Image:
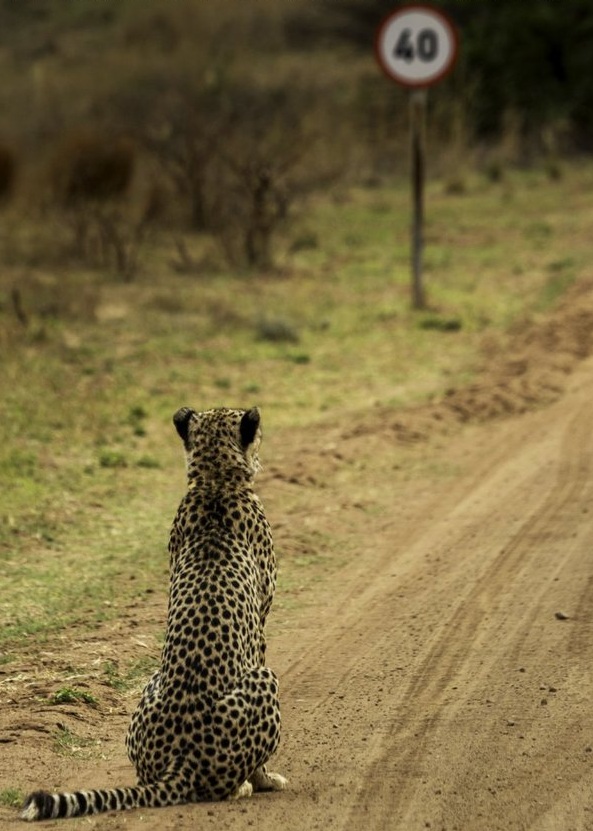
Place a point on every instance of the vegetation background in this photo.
(119, 119)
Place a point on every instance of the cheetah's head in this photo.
(220, 445)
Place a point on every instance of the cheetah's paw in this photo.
(264, 781)
(244, 790)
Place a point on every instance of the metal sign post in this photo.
(416, 46)
(417, 122)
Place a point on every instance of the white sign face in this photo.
(416, 45)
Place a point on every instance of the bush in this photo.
(91, 177)
(266, 165)
(91, 167)
(7, 171)
(238, 153)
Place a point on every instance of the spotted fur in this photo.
(208, 720)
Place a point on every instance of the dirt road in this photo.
(449, 686)
(442, 676)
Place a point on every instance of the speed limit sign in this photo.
(416, 45)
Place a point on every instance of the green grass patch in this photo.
(68, 695)
(561, 276)
(133, 676)
(112, 458)
(69, 743)
(11, 798)
(440, 324)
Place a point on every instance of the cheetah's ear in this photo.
(249, 426)
(181, 421)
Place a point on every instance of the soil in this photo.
(436, 664)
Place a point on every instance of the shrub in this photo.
(7, 171)
(266, 166)
(91, 167)
(92, 177)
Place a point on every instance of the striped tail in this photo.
(43, 805)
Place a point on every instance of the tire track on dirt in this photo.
(459, 639)
(362, 593)
(365, 649)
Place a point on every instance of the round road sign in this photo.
(416, 45)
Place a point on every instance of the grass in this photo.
(136, 674)
(90, 468)
(68, 743)
(67, 695)
(11, 797)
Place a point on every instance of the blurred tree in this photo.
(533, 58)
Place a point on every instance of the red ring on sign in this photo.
(447, 23)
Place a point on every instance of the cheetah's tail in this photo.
(43, 805)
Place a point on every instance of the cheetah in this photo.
(209, 719)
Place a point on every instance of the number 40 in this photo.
(426, 47)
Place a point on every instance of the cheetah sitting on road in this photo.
(209, 719)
